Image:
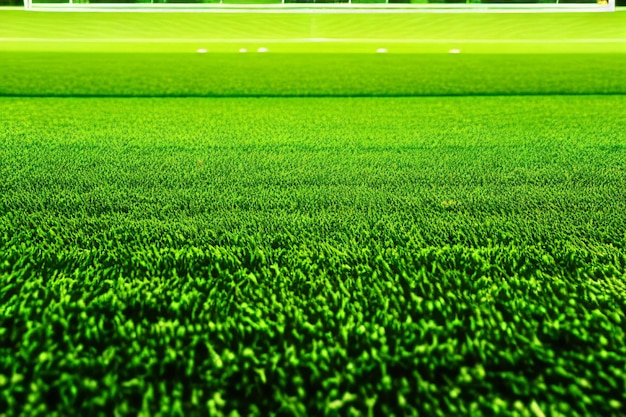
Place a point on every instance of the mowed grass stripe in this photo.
(276, 26)
(293, 75)
(316, 46)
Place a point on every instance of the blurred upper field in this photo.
(314, 32)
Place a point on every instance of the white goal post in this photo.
(344, 6)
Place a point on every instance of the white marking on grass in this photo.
(381, 51)
(202, 51)
(243, 50)
(262, 49)
(455, 51)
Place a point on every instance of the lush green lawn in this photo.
(356, 256)
(496, 33)
(154, 54)
(237, 75)
(434, 233)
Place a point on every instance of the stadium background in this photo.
(21, 2)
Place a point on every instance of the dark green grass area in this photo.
(311, 256)
(101, 74)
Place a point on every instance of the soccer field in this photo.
(317, 230)
(493, 33)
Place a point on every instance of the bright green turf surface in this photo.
(71, 74)
(154, 54)
(327, 256)
(496, 33)
(332, 256)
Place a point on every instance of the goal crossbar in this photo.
(348, 6)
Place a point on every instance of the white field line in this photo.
(316, 40)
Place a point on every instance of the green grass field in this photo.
(308, 232)
(476, 33)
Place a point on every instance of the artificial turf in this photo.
(335, 256)
(484, 33)
(358, 256)
(301, 75)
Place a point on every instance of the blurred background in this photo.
(21, 2)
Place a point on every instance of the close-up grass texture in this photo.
(312, 232)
